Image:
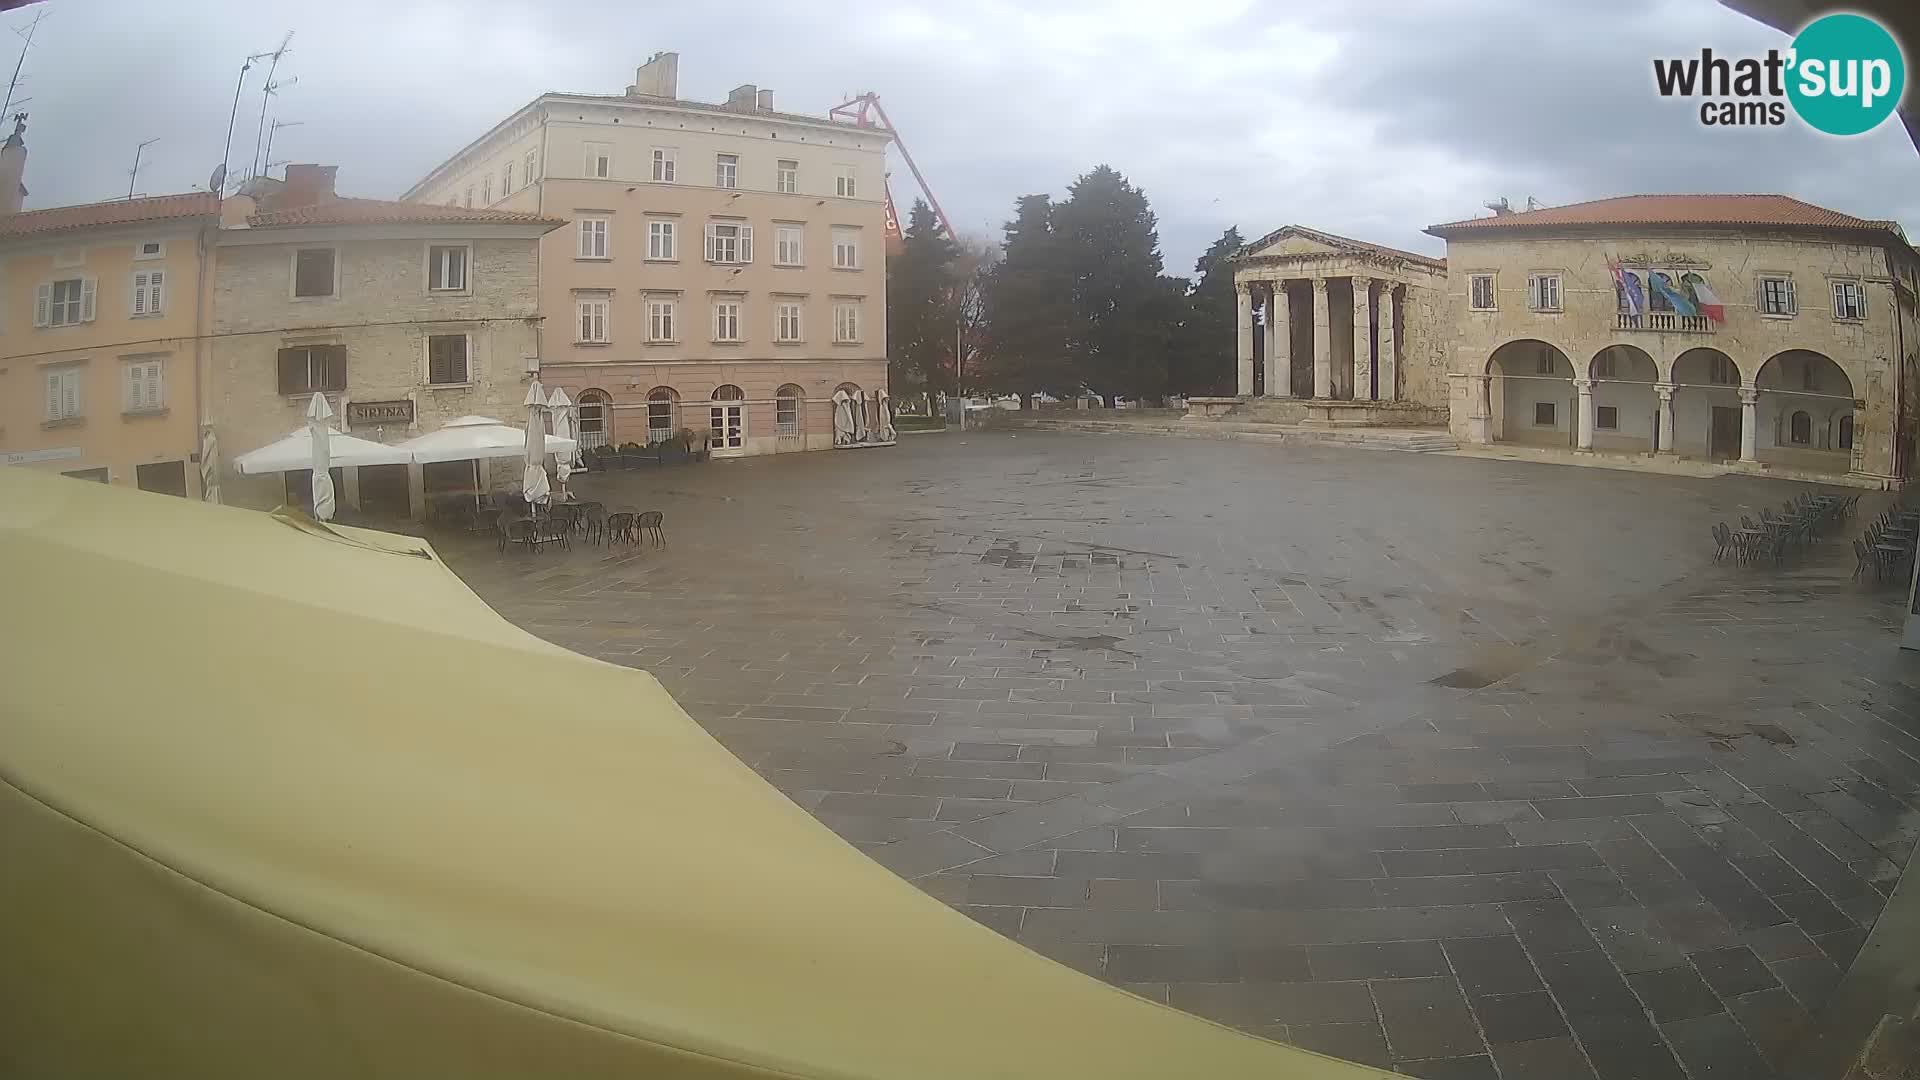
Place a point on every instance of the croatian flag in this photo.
(1704, 296)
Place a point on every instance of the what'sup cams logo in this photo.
(1843, 75)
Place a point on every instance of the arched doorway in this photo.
(1626, 411)
(727, 421)
(662, 405)
(596, 419)
(1804, 412)
(1530, 397)
(789, 417)
(1707, 413)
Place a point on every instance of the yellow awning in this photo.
(284, 801)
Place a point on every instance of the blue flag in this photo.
(1664, 286)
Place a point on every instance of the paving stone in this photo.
(1377, 960)
(1171, 964)
(1426, 1018)
(1625, 1046)
(1547, 927)
(1252, 1004)
(1474, 1067)
(1609, 806)
(1674, 993)
(1733, 970)
(1492, 966)
(1772, 1019)
(1590, 887)
(1811, 979)
(1513, 1018)
(1550, 1059)
(1715, 1048)
(1364, 1042)
(1782, 942)
(1586, 983)
(1842, 946)
(1633, 939)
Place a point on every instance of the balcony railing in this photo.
(1665, 322)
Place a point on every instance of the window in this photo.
(786, 321)
(446, 268)
(486, 192)
(310, 369)
(726, 320)
(531, 167)
(846, 323)
(1776, 296)
(1809, 378)
(786, 177)
(149, 292)
(660, 315)
(1543, 414)
(151, 249)
(63, 393)
(313, 272)
(660, 239)
(1800, 428)
(729, 243)
(1849, 300)
(506, 179)
(469, 196)
(1480, 292)
(1606, 417)
(447, 360)
(67, 302)
(846, 249)
(591, 318)
(729, 419)
(660, 402)
(593, 238)
(1845, 438)
(1543, 292)
(1543, 362)
(664, 165)
(593, 418)
(787, 245)
(1603, 366)
(843, 184)
(726, 170)
(1721, 372)
(142, 386)
(786, 411)
(599, 161)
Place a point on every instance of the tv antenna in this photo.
(133, 174)
(219, 185)
(267, 90)
(271, 130)
(26, 38)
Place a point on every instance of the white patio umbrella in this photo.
(472, 438)
(842, 418)
(565, 462)
(859, 404)
(295, 451)
(318, 413)
(885, 409)
(534, 487)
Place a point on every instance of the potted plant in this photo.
(696, 444)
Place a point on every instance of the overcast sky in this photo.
(1370, 118)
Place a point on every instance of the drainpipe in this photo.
(201, 291)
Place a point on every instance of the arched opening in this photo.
(1626, 411)
(1707, 418)
(1804, 413)
(727, 421)
(789, 404)
(596, 419)
(662, 405)
(1530, 397)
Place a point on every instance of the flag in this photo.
(1704, 297)
(1663, 285)
(1629, 287)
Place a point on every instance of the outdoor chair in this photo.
(593, 519)
(648, 524)
(1723, 541)
(554, 529)
(1864, 558)
(619, 527)
(516, 531)
(564, 516)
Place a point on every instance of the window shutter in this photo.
(746, 243)
(711, 244)
(155, 284)
(70, 393)
(42, 305)
(54, 379)
(336, 367)
(139, 296)
(133, 397)
(292, 362)
(86, 300)
(1792, 305)
(153, 385)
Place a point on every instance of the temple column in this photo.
(1243, 294)
(1583, 432)
(1363, 339)
(1664, 391)
(1389, 364)
(1322, 331)
(1749, 421)
(1279, 342)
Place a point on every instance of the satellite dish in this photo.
(218, 180)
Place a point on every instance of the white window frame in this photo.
(293, 274)
(846, 322)
(788, 428)
(506, 178)
(789, 245)
(146, 293)
(598, 161)
(846, 248)
(142, 384)
(1473, 290)
(663, 320)
(1786, 288)
(788, 322)
(591, 314)
(426, 360)
(486, 190)
(726, 321)
(846, 182)
(670, 407)
(469, 196)
(82, 304)
(726, 171)
(435, 266)
(786, 176)
(530, 168)
(593, 228)
(63, 393)
(666, 165)
(663, 240)
(1543, 293)
(1849, 290)
(736, 248)
(159, 249)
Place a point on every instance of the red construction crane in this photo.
(861, 111)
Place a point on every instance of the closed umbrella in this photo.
(535, 486)
(566, 461)
(318, 413)
(209, 465)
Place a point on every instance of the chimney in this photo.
(13, 166)
(659, 77)
(308, 185)
(743, 98)
(765, 101)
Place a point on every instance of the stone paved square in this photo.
(1463, 767)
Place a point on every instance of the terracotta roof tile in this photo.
(118, 212)
(1737, 210)
(384, 212)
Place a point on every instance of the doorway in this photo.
(165, 477)
(1723, 438)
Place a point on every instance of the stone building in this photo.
(723, 269)
(1757, 330)
(1345, 331)
(404, 315)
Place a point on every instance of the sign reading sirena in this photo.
(380, 412)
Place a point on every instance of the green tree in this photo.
(1028, 309)
(920, 309)
(1203, 357)
(1124, 321)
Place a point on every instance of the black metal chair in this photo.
(593, 519)
(516, 531)
(620, 527)
(648, 524)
